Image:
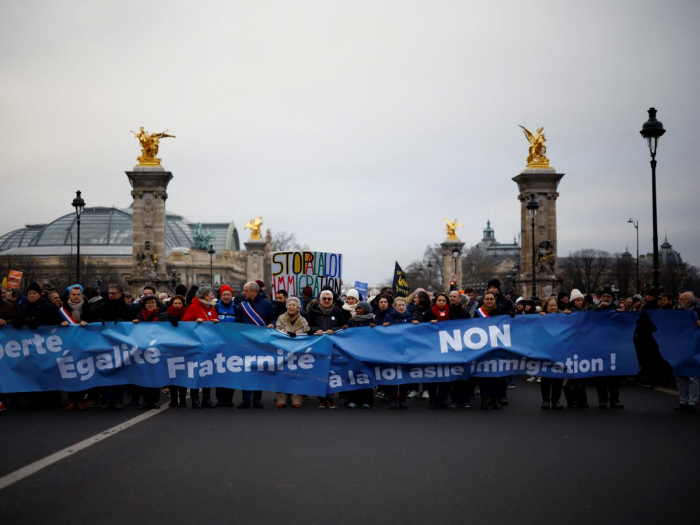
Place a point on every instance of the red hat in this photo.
(225, 288)
(260, 284)
(307, 291)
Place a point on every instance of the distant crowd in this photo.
(326, 314)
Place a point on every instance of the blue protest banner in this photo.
(194, 355)
(247, 357)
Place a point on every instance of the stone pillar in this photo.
(449, 262)
(543, 183)
(256, 260)
(149, 185)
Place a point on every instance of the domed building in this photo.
(47, 252)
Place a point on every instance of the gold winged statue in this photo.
(451, 227)
(537, 157)
(149, 146)
(254, 226)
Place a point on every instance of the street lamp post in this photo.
(70, 232)
(78, 204)
(211, 252)
(652, 131)
(455, 256)
(430, 276)
(636, 227)
(532, 206)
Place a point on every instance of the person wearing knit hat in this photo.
(261, 284)
(226, 309)
(362, 316)
(353, 297)
(34, 287)
(606, 386)
(502, 302)
(576, 302)
(651, 301)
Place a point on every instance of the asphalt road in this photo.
(520, 465)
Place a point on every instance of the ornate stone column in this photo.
(149, 185)
(256, 260)
(543, 182)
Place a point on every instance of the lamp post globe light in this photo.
(211, 251)
(636, 227)
(652, 130)
(78, 203)
(532, 207)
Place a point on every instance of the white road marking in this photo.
(35, 467)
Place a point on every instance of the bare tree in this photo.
(477, 267)
(586, 269)
(285, 242)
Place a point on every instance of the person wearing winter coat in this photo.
(201, 310)
(75, 312)
(325, 317)
(398, 394)
(491, 387)
(575, 389)
(382, 311)
(176, 310)
(255, 310)
(362, 317)
(227, 311)
(606, 386)
(551, 388)
(352, 298)
(439, 312)
(150, 313)
(688, 387)
(291, 323)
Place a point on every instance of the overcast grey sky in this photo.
(358, 125)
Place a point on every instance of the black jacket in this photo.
(39, 313)
(321, 321)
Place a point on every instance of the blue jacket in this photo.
(395, 317)
(227, 314)
(263, 308)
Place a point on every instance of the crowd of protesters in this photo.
(327, 314)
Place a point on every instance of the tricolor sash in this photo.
(482, 312)
(66, 316)
(248, 309)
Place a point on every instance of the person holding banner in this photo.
(176, 310)
(255, 310)
(490, 386)
(74, 313)
(291, 323)
(150, 313)
(202, 310)
(8, 315)
(226, 310)
(440, 311)
(607, 386)
(324, 318)
(551, 388)
(361, 318)
(38, 311)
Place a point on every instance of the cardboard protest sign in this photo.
(14, 279)
(293, 271)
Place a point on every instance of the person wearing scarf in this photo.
(150, 313)
(324, 318)
(550, 387)
(438, 312)
(174, 314)
(201, 309)
(291, 323)
(490, 386)
(75, 309)
(361, 317)
(353, 297)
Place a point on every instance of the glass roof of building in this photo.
(101, 226)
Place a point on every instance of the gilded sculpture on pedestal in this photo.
(537, 157)
(149, 146)
(451, 227)
(254, 225)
